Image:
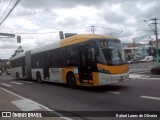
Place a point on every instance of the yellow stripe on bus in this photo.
(114, 69)
(95, 78)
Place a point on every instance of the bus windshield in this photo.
(112, 51)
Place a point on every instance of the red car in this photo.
(155, 70)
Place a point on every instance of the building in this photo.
(130, 49)
(153, 43)
(138, 50)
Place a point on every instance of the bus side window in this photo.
(63, 56)
(91, 55)
(70, 56)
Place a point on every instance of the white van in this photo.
(147, 59)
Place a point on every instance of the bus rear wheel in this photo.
(39, 78)
(71, 80)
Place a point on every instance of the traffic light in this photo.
(18, 39)
(61, 35)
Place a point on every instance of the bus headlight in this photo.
(103, 71)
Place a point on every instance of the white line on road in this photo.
(144, 71)
(150, 66)
(135, 76)
(66, 118)
(6, 85)
(149, 78)
(27, 82)
(17, 83)
(113, 92)
(26, 104)
(150, 97)
(32, 103)
(143, 77)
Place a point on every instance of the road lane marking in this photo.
(40, 105)
(12, 93)
(139, 72)
(149, 78)
(27, 82)
(6, 85)
(135, 76)
(150, 66)
(26, 104)
(66, 118)
(17, 83)
(113, 92)
(150, 97)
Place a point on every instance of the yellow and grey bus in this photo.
(84, 60)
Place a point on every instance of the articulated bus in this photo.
(83, 60)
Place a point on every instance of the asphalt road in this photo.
(139, 93)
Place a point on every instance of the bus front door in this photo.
(84, 66)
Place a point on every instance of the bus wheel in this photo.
(39, 78)
(17, 75)
(71, 80)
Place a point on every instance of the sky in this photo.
(38, 22)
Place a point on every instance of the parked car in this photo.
(147, 59)
(136, 60)
(155, 70)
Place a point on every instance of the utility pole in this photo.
(156, 34)
(93, 28)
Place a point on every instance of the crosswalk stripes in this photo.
(17, 83)
(6, 85)
(26, 82)
(139, 76)
(9, 84)
(132, 76)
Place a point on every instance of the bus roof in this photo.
(69, 41)
(66, 42)
(81, 38)
(18, 56)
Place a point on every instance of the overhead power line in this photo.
(149, 25)
(6, 9)
(10, 11)
(108, 28)
(65, 30)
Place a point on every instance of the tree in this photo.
(18, 51)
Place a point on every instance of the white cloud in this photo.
(24, 23)
(39, 16)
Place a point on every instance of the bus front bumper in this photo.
(105, 79)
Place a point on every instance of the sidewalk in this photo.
(10, 101)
